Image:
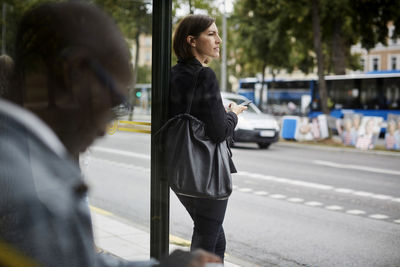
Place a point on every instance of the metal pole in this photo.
(3, 30)
(223, 65)
(161, 64)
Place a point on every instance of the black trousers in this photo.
(208, 216)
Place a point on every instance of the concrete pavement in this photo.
(120, 238)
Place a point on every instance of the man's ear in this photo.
(191, 40)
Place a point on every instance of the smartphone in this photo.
(245, 103)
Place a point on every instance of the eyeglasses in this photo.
(117, 98)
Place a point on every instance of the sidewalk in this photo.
(124, 240)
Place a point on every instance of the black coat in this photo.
(207, 103)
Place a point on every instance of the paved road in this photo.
(292, 205)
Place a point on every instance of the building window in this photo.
(394, 63)
(148, 56)
(362, 63)
(375, 64)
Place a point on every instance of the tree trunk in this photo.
(320, 57)
(338, 53)
(132, 95)
(190, 7)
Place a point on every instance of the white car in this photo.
(253, 125)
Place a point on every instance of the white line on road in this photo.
(344, 190)
(355, 167)
(363, 194)
(333, 207)
(378, 216)
(355, 212)
(124, 165)
(277, 196)
(245, 190)
(261, 193)
(313, 203)
(383, 197)
(317, 186)
(120, 152)
(285, 180)
(295, 200)
(397, 221)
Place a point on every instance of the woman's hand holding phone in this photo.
(237, 109)
(245, 103)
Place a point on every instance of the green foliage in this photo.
(14, 11)
(133, 17)
(279, 32)
(370, 18)
(144, 74)
(263, 35)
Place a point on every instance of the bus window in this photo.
(392, 93)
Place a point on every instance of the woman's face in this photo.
(207, 44)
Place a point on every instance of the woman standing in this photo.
(196, 40)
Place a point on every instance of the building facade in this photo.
(381, 57)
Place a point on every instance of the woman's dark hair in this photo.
(192, 25)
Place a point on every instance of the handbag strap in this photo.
(196, 76)
(158, 134)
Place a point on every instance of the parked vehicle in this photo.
(253, 125)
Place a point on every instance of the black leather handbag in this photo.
(195, 165)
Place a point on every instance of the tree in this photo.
(370, 20)
(261, 39)
(14, 9)
(320, 57)
(134, 19)
(319, 31)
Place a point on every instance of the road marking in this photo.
(124, 165)
(344, 190)
(261, 193)
(378, 216)
(317, 186)
(179, 241)
(234, 187)
(285, 180)
(363, 194)
(311, 185)
(355, 167)
(277, 196)
(100, 211)
(355, 212)
(313, 203)
(396, 199)
(245, 190)
(120, 152)
(396, 221)
(333, 207)
(382, 197)
(295, 200)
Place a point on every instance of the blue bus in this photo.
(280, 96)
(370, 94)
